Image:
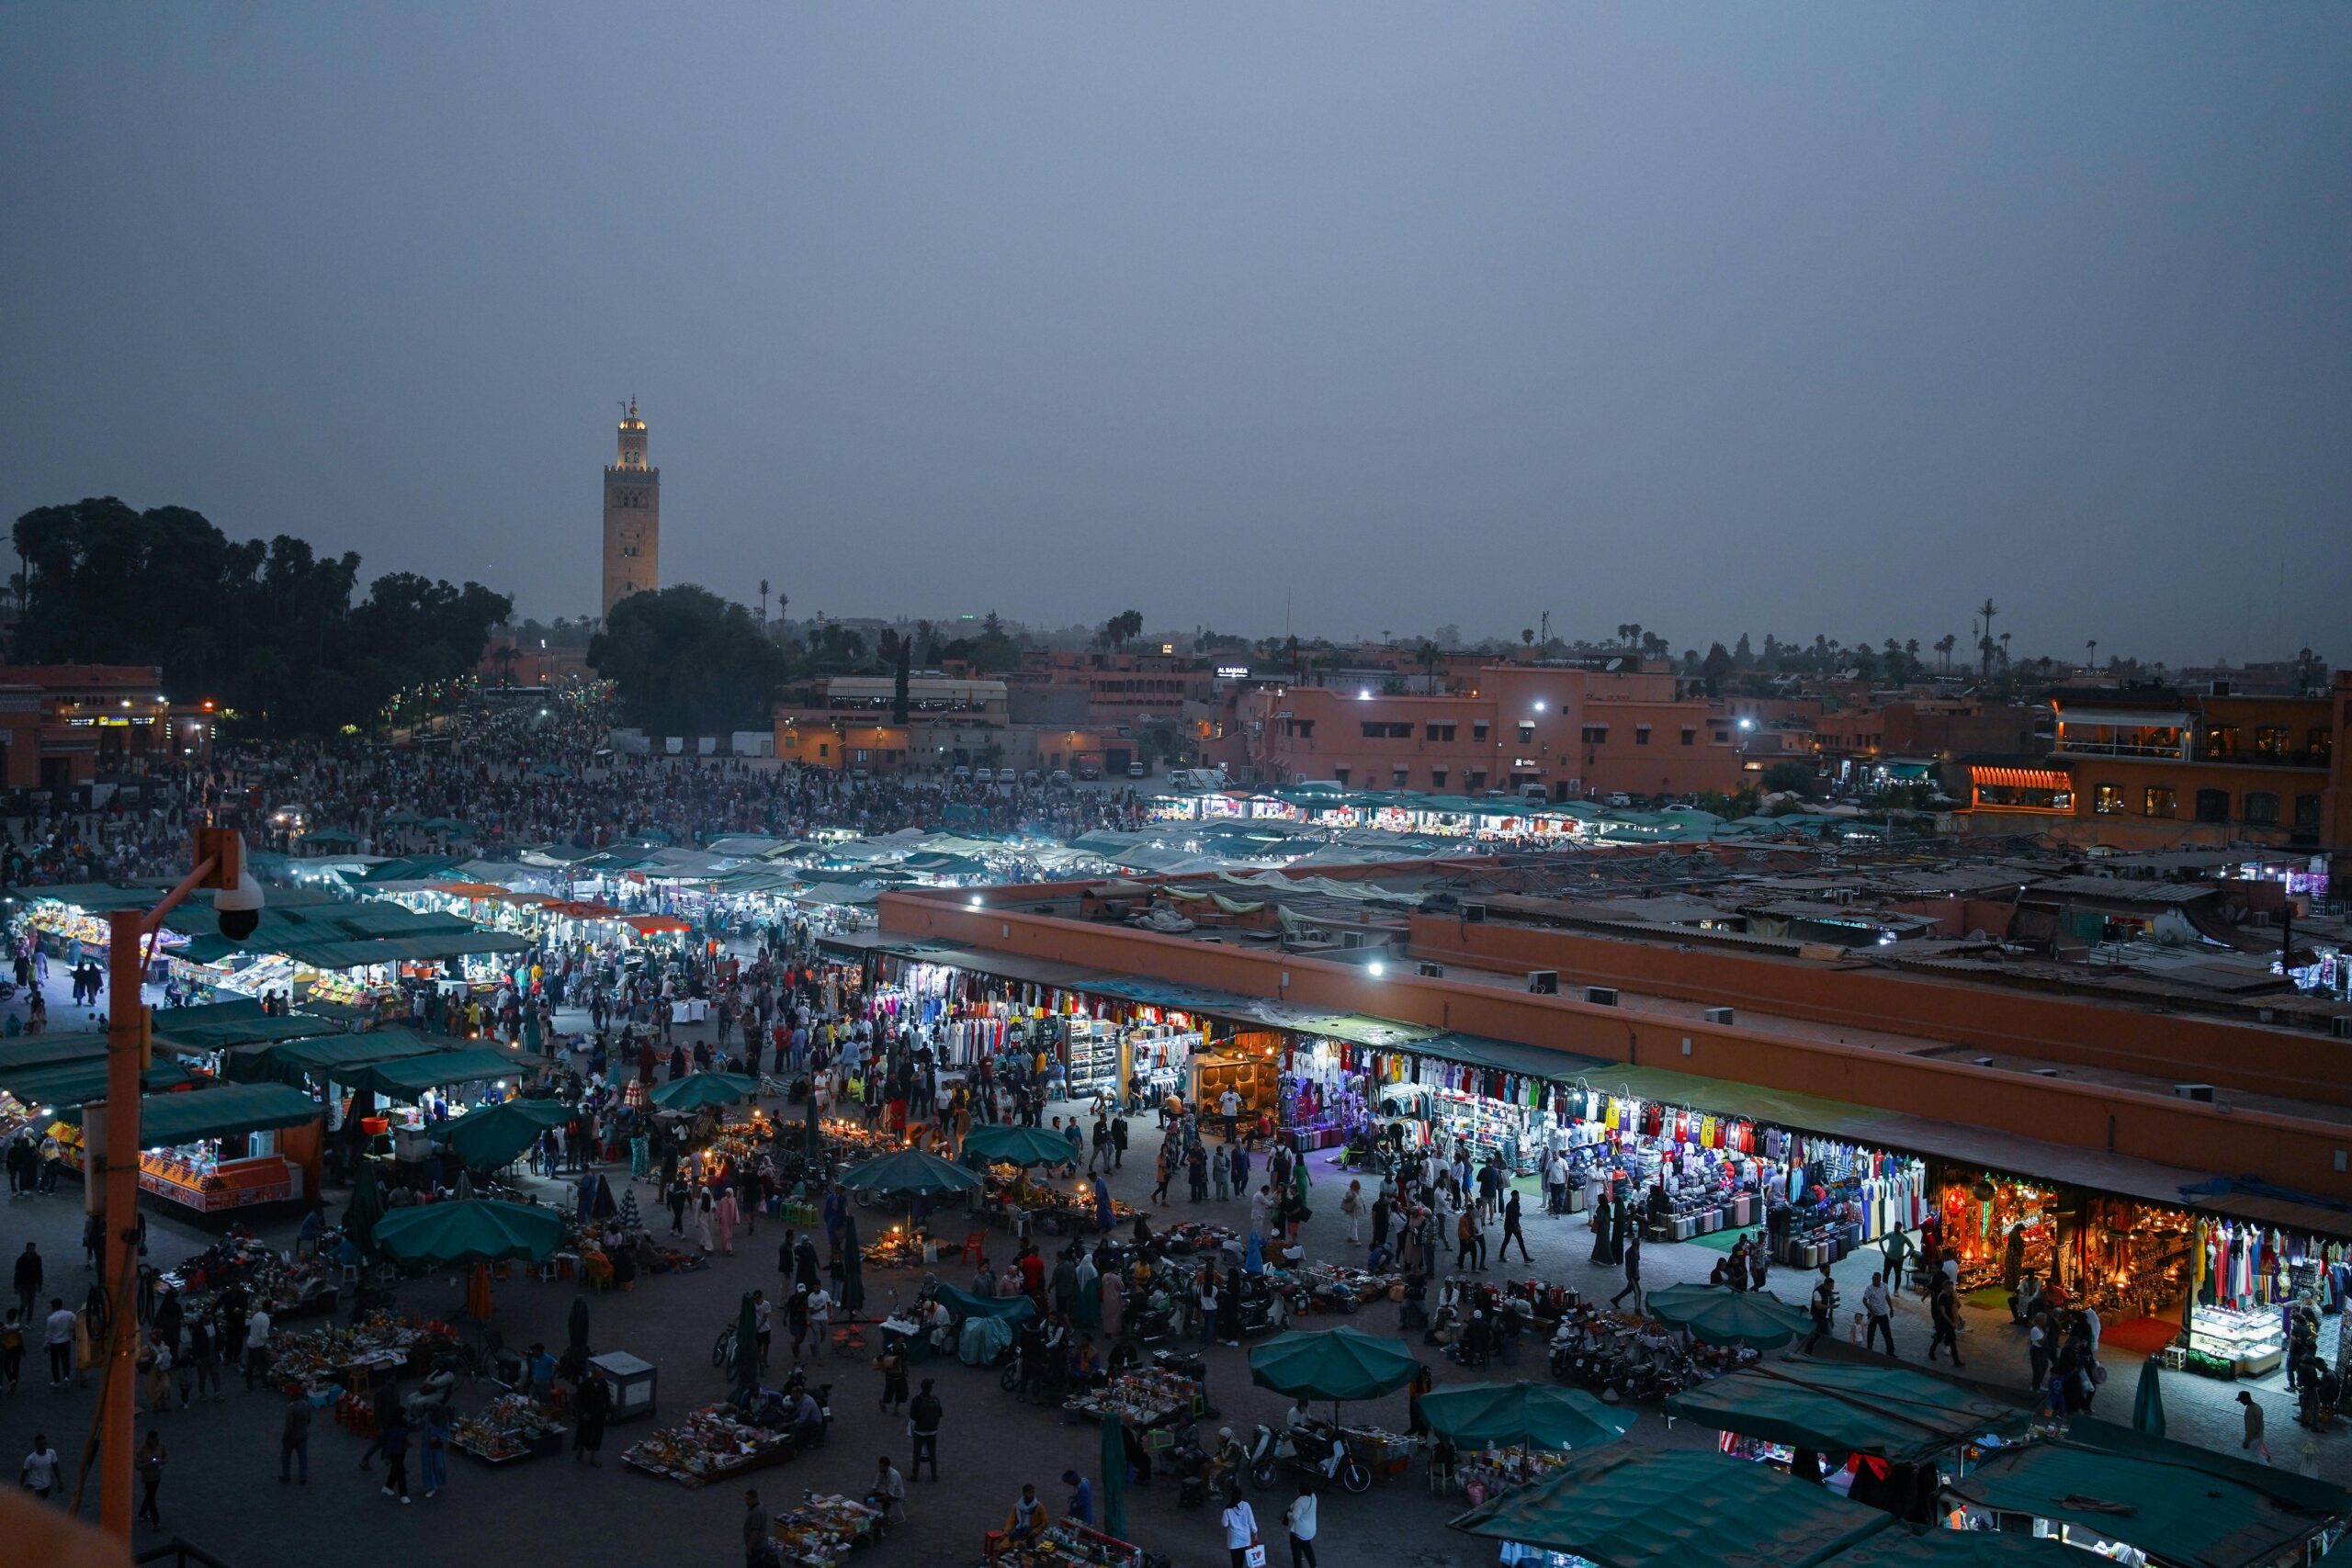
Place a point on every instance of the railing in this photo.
(2069, 745)
(179, 1554)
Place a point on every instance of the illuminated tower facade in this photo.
(632, 517)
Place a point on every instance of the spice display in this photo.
(824, 1529)
(1140, 1399)
(512, 1426)
(711, 1444)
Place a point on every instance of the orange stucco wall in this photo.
(2293, 1152)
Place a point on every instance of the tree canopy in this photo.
(267, 631)
(686, 661)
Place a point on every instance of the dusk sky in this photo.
(1779, 319)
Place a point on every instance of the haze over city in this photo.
(1819, 318)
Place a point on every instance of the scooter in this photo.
(1273, 1451)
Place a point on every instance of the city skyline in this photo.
(1810, 323)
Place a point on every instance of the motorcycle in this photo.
(1272, 1451)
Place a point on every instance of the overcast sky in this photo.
(1717, 318)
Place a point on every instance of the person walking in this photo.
(57, 1337)
(1299, 1520)
(1633, 1273)
(1511, 1232)
(256, 1347)
(40, 1472)
(396, 1441)
(151, 1460)
(1118, 1141)
(1352, 1209)
(1824, 1306)
(1943, 1312)
(923, 1425)
(1240, 1523)
(1878, 1307)
(29, 1270)
(294, 1436)
(591, 1407)
(759, 1545)
(435, 1449)
(1163, 1168)
(2254, 1443)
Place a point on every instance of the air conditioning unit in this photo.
(1544, 982)
(2199, 1091)
(1351, 940)
(1473, 913)
(1602, 996)
(1719, 1015)
(1428, 971)
(2340, 1026)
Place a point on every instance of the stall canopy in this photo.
(407, 1077)
(225, 1024)
(1000, 1141)
(1957, 1549)
(1633, 1507)
(71, 1083)
(963, 1304)
(910, 1170)
(1543, 1416)
(1890, 1413)
(1332, 1363)
(51, 1050)
(493, 1136)
(2174, 1502)
(1716, 1315)
(222, 1113)
(333, 1056)
(480, 1230)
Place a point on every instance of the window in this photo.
(2106, 799)
(2159, 801)
(2220, 741)
(1526, 732)
(2322, 744)
(2306, 811)
(1439, 732)
(1303, 728)
(1472, 780)
(1477, 730)
(1396, 778)
(2212, 805)
(1690, 736)
(2261, 808)
(2274, 742)
(1722, 736)
(1596, 735)
(1437, 781)
(824, 749)
(1641, 735)
(1382, 729)
(1341, 775)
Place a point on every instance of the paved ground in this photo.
(222, 1491)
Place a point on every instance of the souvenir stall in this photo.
(824, 1529)
(1249, 1062)
(2243, 1278)
(715, 1443)
(510, 1427)
(287, 1288)
(1143, 1399)
(377, 1346)
(1841, 1195)
(2128, 1260)
(1063, 1543)
(1448, 1104)
(1094, 1058)
(1160, 1044)
(215, 1151)
(1323, 1103)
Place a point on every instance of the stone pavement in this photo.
(221, 1492)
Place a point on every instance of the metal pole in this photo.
(118, 1383)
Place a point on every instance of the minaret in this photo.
(632, 517)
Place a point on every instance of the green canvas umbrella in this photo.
(1717, 1315)
(367, 1207)
(910, 1171)
(2148, 1403)
(481, 1231)
(1515, 1415)
(495, 1135)
(1115, 1478)
(812, 1142)
(853, 1277)
(997, 1141)
(576, 1328)
(1332, 1363)
(704, 1089)
(747, 1345)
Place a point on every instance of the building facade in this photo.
(632, 517)
(1574, 733)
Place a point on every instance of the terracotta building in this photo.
(61, 724)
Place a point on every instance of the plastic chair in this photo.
(975, 1248)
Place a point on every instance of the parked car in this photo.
(962, 775)
(1061, 775)
(1137, 771)
(1089, 770)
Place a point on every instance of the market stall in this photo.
(716, 1442)
(379, 1346)
(510, 1427)
(824, 1529)
(1062, 1544)
(214, 1150)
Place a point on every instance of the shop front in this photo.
(214, 1151)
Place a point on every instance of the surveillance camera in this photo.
(238, 909)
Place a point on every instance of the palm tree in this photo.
(1944, 646)
(1985, 638)
(2090, 655)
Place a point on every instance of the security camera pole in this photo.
(220, 859)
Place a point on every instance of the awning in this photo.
(337, 1056)
(409, 1077)
(175, 1029)
(2186, 1507)
(45, 1050)
(1957, 1549)
(1634, 1508)
(73, 1083)
(1890, 1413)
(220, 1112)
(2019, 778)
